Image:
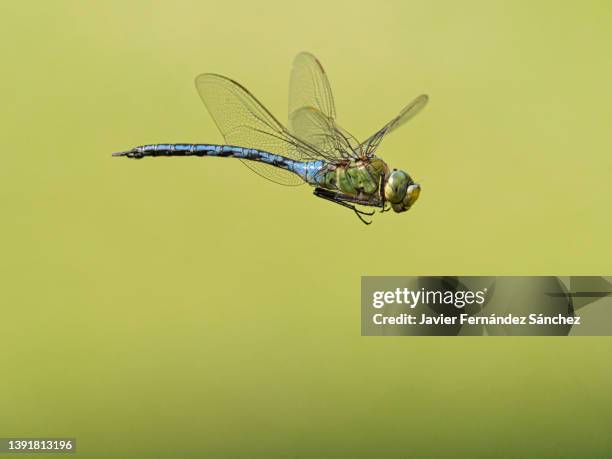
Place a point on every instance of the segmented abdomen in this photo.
(307, 170)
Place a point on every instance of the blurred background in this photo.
(186, 307)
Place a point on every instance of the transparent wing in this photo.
(414, 107)
(244, 121)
(309, 86)
(321, 131)
(312, 111)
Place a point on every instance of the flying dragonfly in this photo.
(312, 149)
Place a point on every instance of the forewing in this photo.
(309, 86)
(244, 121)
(414, 107)
(312, 111)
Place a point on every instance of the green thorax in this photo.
(356, 178)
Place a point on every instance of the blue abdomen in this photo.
(309, 171)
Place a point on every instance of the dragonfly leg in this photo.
(381, 187)
(332, 197)
(358, 213)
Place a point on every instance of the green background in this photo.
(188, 308)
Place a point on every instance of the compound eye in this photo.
(395, 188)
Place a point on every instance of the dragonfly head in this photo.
(401, 191)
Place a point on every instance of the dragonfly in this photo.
(312, 149)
